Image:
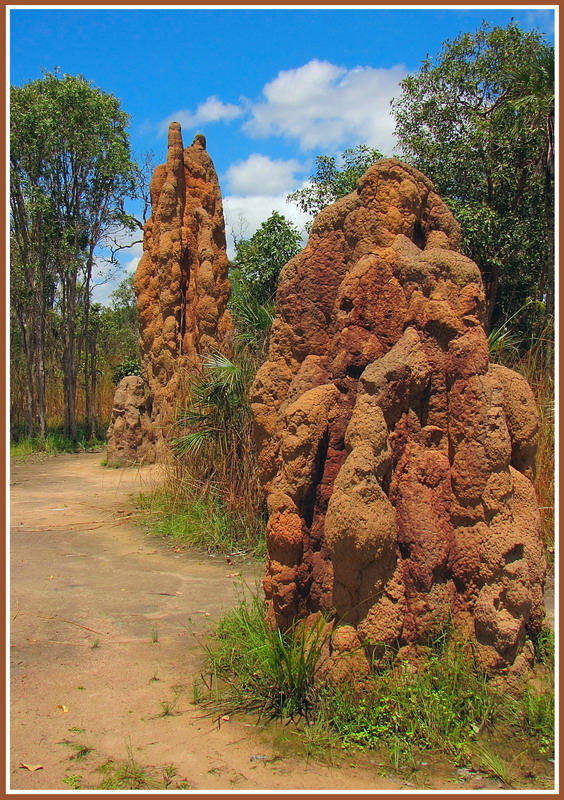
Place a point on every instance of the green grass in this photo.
(202, 522)
(130, 775)
(73, 781)
(440, 706)
(253, 667)
(445, 705)
(55, 442)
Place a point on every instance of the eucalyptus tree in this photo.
(71, 170)
(260, 258)
(334, 177)
(478, 119)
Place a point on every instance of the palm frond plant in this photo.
(213, 442)
(253, 319)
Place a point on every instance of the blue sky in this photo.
(270, 88)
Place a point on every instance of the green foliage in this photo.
(252, 320)
(504, 340)
(70, 170)
(213, 443)
(73, 781)
(203, 521)
(54, 442)
(131, 366)
(439, 706)
(260, 258)
(119, 334)
(264, 669)
(334, 178)
(478, 120)
(545, 647)
(441, 703)
(218, 404)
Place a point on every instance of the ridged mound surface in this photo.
(397, 461)
(181, 284)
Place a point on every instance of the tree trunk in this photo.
(86, 337)
(491, 284)
(68, 341)
(40, 374)
(92, 419)
(69, 391)
(29, 394)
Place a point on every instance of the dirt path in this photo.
(90, 595)
(106, 629)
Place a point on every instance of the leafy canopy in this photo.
(69, 156)
(478, 120)
(334, 178)
(260, 258)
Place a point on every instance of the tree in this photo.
(478, 120)
(330, 181)
(260, 258)
(119, 326)
(70, 172)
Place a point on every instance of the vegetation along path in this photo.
(106, 627)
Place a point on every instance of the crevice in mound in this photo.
(308, 503)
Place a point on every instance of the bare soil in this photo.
(106, 631)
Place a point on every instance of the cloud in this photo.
(107, 278)
(211, 110)
(259, 174)
(135, 251)
(243, 215)
(324, 106)
(541, 18)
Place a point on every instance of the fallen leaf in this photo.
(31, 767)
(233, 574)
(64, 709)
(225, 718)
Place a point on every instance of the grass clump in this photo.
(255, 668)
(202, 521)
(73, 781)
(438, 701)
(129, 774)
(440, 705)
(212, 497)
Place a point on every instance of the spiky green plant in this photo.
(255, 667)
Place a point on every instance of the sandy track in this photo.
(90, 591)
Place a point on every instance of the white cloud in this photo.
(324, 106)
(259, 174)
(243, 215)
(211, 110)
(542, 18)
(106, 278)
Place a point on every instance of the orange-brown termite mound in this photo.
(182, 292)
(396, 459)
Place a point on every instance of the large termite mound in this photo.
(182, 290)
(397, 460)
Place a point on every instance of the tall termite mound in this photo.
(396, 459)
(182, 292)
